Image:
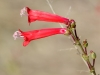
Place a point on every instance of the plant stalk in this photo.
(84, 51)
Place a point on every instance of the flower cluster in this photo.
(36, 15)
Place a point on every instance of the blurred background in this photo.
(51, 55)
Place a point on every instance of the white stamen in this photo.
(23, 11)
(17, 34)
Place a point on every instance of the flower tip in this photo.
(20, 31)
(27, 9)
(25, 43)
(22, 12)
(17, 34)
(91, 51)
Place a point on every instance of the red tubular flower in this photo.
(37, 34)
(34, 15)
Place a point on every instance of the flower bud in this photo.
(73, 23)
(67, 32)
(85, 43)
(93, 54)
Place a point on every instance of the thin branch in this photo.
(51, 6)
(69, 10)
(53, 11)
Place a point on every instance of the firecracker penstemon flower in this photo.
(34, 15)
(37, 34)
(28, 36)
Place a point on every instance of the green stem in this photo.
(85, 49)
(77, 41)
(81, 47)
(86, 58)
